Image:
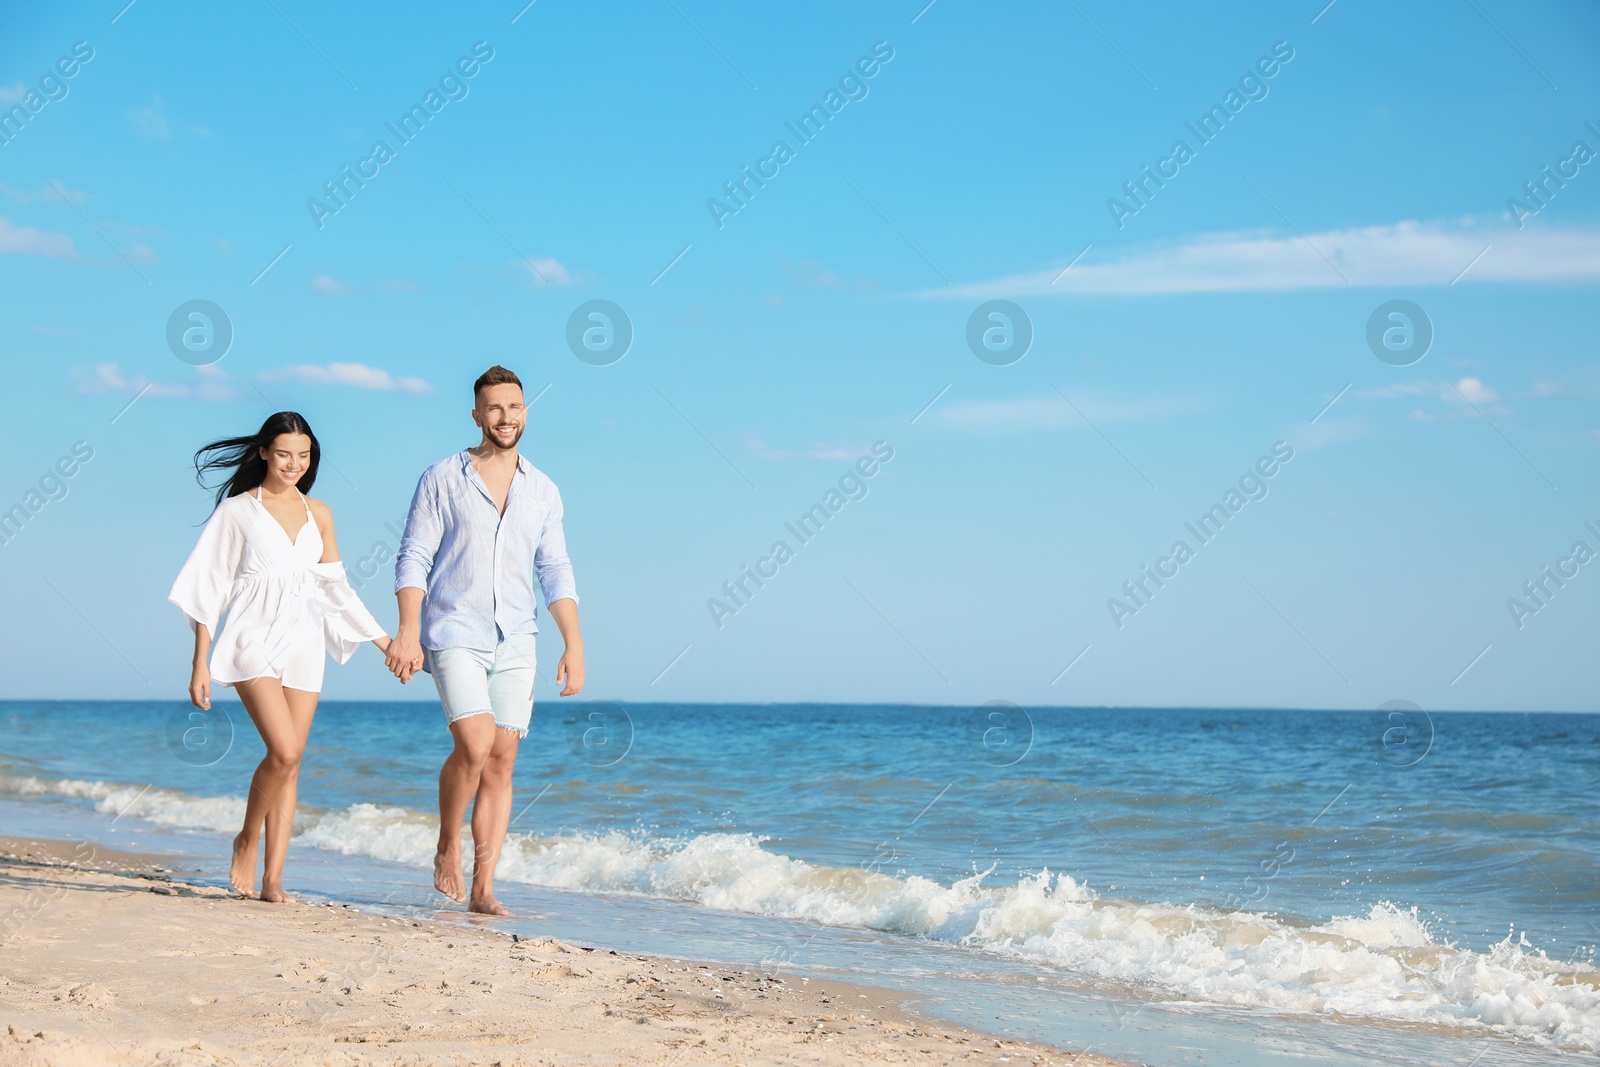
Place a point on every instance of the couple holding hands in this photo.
(483, 525)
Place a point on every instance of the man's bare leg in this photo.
(458, 782)
(490, 815)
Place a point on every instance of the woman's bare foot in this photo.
(274, 894)
(242, 872)
(447, 876)
(488, 906)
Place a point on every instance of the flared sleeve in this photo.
(204, 584)
(346, 622)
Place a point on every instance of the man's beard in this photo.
(494, 441)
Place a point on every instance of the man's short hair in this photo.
(495, 375)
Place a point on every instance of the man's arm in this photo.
(554, 570)
(413, 563)
(404, 655)
(570, 666)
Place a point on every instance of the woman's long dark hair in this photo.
(242, 456)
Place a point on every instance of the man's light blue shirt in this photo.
(477, 566)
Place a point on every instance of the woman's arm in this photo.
(330, 550)
(200, 675)
(324, 516)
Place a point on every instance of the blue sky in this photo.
(1173, 345)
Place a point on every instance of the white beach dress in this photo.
(283, 609)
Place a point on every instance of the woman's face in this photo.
(287, 457)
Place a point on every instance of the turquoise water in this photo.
(1249, 875)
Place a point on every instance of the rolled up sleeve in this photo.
(550, 559)
(423, 533)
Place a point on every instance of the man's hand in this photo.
(570, 669)
(404, 657)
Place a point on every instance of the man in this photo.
(482, 524)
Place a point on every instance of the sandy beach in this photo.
(112, 958)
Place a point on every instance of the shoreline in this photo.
(117, 957)
(1271, 709)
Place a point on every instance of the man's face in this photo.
(501, 415)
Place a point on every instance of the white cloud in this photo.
(322, 283)
(108, 378)
(46, 192)
(152, 121)
(104, 378)
(1031, 413)
(1327, 431)
(331, 286)
(543, 272)
(809, 274)
(822, 279)
(13, 93)
(1398, 389)
(1051, 412)
(214, 392)
(759, 450)
(29, 241)
(1404, 253)
(139, 252)
(354, 375)
(1473, 390)
(1464, 390)
(26, 241)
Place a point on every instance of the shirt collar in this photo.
(523, 466)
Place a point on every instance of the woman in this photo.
(267, 560)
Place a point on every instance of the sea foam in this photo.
(1386, 964)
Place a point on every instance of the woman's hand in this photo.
(404, 657)
(383, 644)
(200, 687)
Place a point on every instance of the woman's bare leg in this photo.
(258, 701)
(242, 870)
(302, 708)
(283, 718)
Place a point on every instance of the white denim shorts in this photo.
(474, 682)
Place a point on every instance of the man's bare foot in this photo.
(274, 894)
(447, 876)
(242, 872)
(488, 906)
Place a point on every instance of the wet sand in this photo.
(109, 957)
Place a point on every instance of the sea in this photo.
(1166, 886)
